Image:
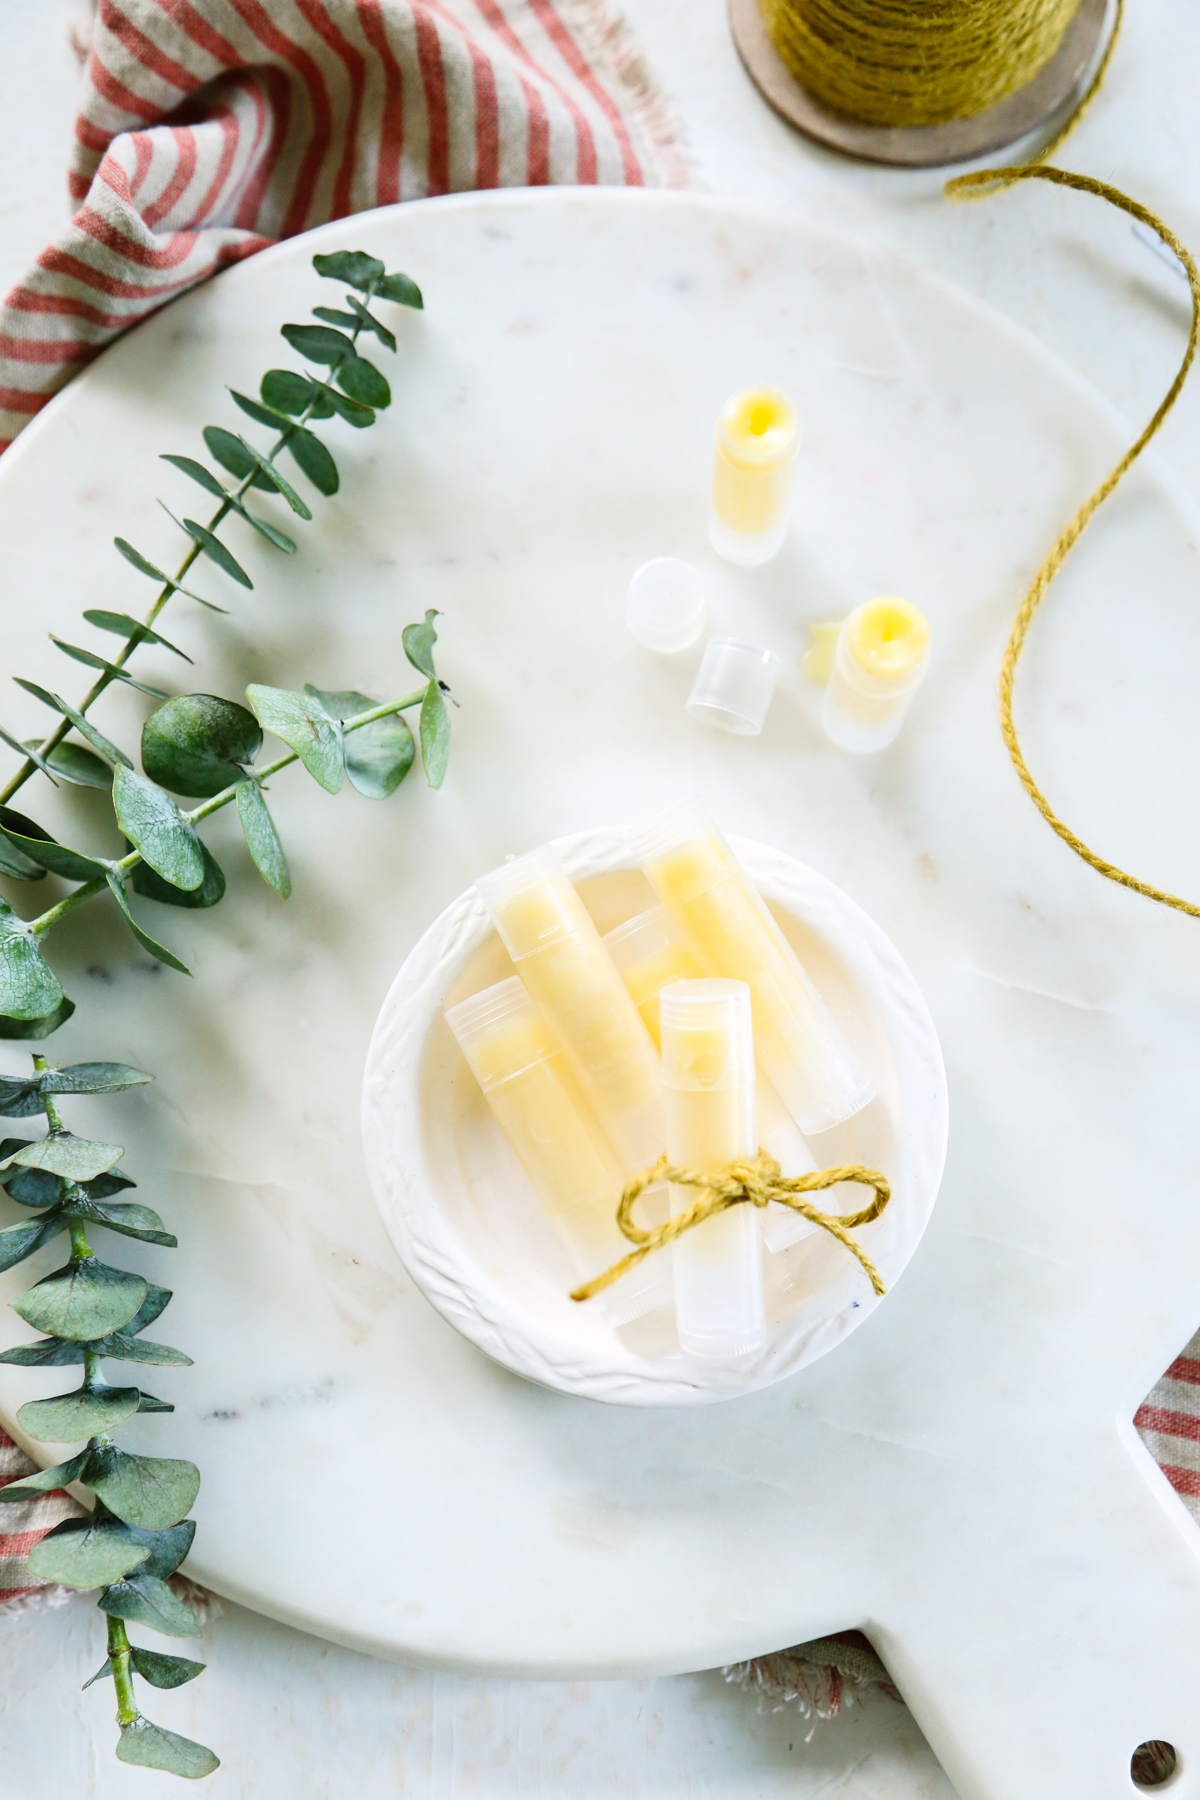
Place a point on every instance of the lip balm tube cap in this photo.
(734, 686)
(478, 1017)
(531, 902)
(665, 606)
(707, 1034)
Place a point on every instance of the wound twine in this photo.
(883, 62)
(758, 1180)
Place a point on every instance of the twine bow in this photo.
(758, 1180)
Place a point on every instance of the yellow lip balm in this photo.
(698, 879)
(553, 941)
(650, 951)
(536, 1102)
(757, 443)
(880, 660)
(708, 1089)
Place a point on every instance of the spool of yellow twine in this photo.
(922, 62)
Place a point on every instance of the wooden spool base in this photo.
(1049, 97)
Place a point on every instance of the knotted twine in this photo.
(755, 1181)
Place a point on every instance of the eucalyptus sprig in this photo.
(200, 745)
(138, 1532)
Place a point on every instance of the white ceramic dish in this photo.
(472, 1234)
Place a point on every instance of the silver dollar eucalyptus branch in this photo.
(204, 748)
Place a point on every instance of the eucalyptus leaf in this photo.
(45, 1481)
(153, 1492)
(231, 453)
(124, 1348)
(44, 1353)
(435, 735)
(273, 535)
(365, 319)
(62, 1153)
(197, 472)
(418, 641)
(152, 886)
(151, 820)
(363, 381)
(93, 1078)
(40, 847)
(402, 289)
(329, 315)
(378, 756)
(151, 1403)
(156, 1301)
(79, 766)
(55, 1352)
(285, 390)
(15, 863)
(298, 506)
(29, 989)
(83, 1414)
(353, 411)
(115, 673)
(212, 547)
(197, 744)
(41, 1027)
(168, 581)
(31, 752)
(122, 625)
(262, 839)
(83, 726)
(30, 1187)
(84, 1299)
(151, 945)
(163, 1671)
(134, 1221)
(19, 1241)
(354, 267)
(311, 455)
(305, 728)
(147, 1600)
(317, 343)
(87, 1553)
(148, 1746)
(263, 415)
(21, 1097)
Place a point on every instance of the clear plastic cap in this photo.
(531, 902)
(665, 606)
(648, 934)
(734, 686)
(707, 1035)
(500, 1032)
(686, 835)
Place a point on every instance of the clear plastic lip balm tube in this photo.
(757, 442)
(550, 935)
(533, 1096)
(803, 1054)
(650, 951)
(708, 1089)
(880, 661)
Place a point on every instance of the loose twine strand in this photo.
(757, 1180)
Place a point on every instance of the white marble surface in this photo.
(928, 1480)
(1073, 274)
(470, 1232)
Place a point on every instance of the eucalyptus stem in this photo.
(121, 1664)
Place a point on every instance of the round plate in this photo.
(1047, 99)
(370, 1474)
(471, 1234)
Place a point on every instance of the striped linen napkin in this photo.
(209, 129)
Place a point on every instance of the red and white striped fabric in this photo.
(208, 129)
(1168, 1422)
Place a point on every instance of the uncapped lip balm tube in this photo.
(698, 879)
(525, 1079)
(757, 442)
(650, 951)
(708, 1091)
(550, 935)
(880, 661)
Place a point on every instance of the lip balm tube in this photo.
(881, 659)
(534, 1099)
(650, 951)
(553, 941)
(708, 1091)
(801, 1050)
(757, 442)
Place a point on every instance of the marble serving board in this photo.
(961, 1477)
